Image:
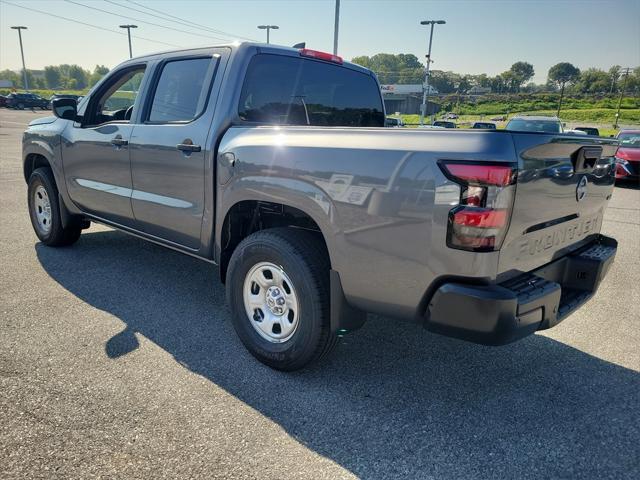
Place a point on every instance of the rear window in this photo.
(522, 125)
(294, 91)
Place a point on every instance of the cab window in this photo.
(182, 90)
(115, 100)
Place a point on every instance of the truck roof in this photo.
(240, 47)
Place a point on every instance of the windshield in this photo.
(629, 140)
(525, 125)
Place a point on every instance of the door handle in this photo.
(188, 147)
(119, 142)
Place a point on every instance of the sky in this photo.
(479, 37)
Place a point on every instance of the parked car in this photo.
(628, 155)
(245, 155)
(589, 131)
(445, 124)
(573, 131)
(531, 123)
(499, 118)
(77, 98)
(394, 122)
(450, 116)
(484, 125)
(3, 101)
(20, 101)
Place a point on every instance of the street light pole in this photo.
(268, 28)
(427, 87)
(624, 86)
(335, 28)
(129, 27)
(24, 69)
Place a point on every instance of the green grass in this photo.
(593, 116)
(502, 104)
(47, 93)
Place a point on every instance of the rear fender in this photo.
(302, 195)
(313, 202)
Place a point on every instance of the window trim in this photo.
(155, 80)
(238, 120)
(105, 86)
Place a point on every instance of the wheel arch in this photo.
(248, 216)
(32, 161)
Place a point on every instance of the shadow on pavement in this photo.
(394, 400)
(628, 184)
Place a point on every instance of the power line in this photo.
(143, 21)
(85, 24)
(189, 23)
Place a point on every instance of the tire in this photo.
(44, 211)
(299, 258)
(20, 106)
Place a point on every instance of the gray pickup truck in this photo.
(274, 164)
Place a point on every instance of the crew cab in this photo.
(274, 164)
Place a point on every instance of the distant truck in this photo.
(484, 125)
(394, 122)
(273, 163)
(589, 131)
(444, 124)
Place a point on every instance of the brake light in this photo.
(500, 175)
(480, 221)
(480, 217)
(327, 57)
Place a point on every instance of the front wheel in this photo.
(278, 290)
(44, 211)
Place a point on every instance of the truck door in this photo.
(169, 149)
(95, 151)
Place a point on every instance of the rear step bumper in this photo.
(506, 312)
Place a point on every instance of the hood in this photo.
(630, 154)
(42, 121)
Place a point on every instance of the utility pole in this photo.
(129, 27)
(427, 87)
(24, 69)
(624, 86)
(335, 28)
(268, 28)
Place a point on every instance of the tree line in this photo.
(399, 69)
(407, 69)
(57, 77)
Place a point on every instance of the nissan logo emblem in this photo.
(581, 190)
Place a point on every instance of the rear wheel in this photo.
(44, 210)
(278, 290)
(21, 106)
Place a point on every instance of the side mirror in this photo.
(66, 108)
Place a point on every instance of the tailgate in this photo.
(563, 186)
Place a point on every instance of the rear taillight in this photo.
(480, 221)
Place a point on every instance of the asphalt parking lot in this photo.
(117, 359)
